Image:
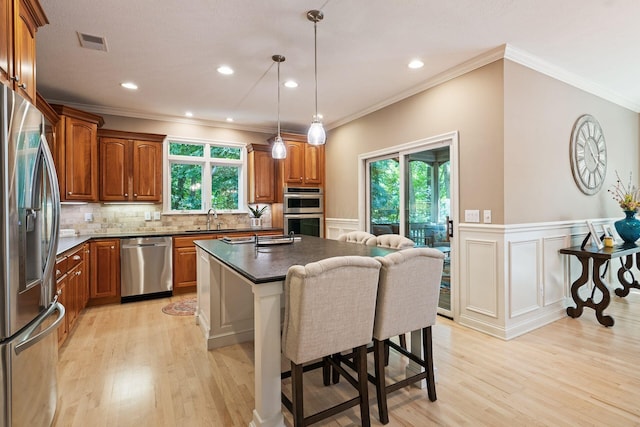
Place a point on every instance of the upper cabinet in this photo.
(262, 174)
(304, 164)
(76, 154)
(19, 21)
(130, 166)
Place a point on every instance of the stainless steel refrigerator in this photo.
(29, 310)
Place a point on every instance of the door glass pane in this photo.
(384, 191)
(427, 201)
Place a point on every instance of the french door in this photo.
(409, 192)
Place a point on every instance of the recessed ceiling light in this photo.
(416, 63)
(291, 84)
(225, 69)
(129, 85)
(229, 119)
(188, 114)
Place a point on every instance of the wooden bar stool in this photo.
(329, 308)
(408, 293)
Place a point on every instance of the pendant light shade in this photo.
(278, 151)
(316, 134)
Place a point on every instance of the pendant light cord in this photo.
(278, 98)
(315, 50)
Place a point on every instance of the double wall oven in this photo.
(304, 211)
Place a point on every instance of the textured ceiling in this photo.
(171, 49)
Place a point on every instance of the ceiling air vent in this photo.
(92, 42)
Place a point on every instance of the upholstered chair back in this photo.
(392, 241)
(329, 307)
(361, 237)
(408, 291)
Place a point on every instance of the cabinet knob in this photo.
(70, 193)
(76, 257)
(58, 272)
(15, 78)
(113, 247)
(23, 86)
(78, 273)
(59, 292)
(126, 194)
(135, 195)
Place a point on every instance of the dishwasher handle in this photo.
(144, 245)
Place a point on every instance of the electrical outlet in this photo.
(486, 216)
(156, 216)
(88, 217)
(472, 215)
(147, 216)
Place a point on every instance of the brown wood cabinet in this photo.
(76, 154)
(105, 271)
(19, 21)
(185, 258)
(262, 174)
(72, 285)
(130, 166)
(304, 164)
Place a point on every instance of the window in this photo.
(203, 175)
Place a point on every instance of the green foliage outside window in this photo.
(187, 187)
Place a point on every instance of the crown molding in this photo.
(160, 117)
(474, 63)
(505, 51)
(530, 61)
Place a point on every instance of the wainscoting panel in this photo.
(480, 290)
(554, 290)
(524, 283)
(334, 227)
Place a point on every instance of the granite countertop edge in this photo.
(67, 243)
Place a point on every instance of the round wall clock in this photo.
(588, 154)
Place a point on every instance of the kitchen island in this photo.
(239, 289)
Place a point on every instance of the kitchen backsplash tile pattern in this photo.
(119, 218)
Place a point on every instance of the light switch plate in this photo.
(486, 216)
(472, 215)
(156, 216)
(147, 216)
(88, 217)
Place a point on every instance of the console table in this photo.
(597, 258)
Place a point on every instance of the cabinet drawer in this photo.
(75, 258)
(187, 241)
(61, 267)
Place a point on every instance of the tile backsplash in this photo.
(119, 218)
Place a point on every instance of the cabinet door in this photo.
(105, 269)
(262, 177)
(114, 185)
(81, 160)
(184, 263)
(73, 290)
(146, 171)
(63, 329)
(313, 164)
(294, 163)
(6, 41)
(25, 52)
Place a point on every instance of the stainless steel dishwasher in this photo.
(145, 268)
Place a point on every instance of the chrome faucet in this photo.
(215, 216)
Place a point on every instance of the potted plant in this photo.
(256, 214)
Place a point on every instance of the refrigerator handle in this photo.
(55, 206)
(56, 306)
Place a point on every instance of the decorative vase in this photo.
(629, 227)
(257, 222)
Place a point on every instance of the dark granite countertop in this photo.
(270, 263)
(67, 243)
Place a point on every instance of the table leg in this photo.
(622, 276)
(266, 301)
(589, 302)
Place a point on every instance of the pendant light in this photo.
(279, 151)
(316, 134)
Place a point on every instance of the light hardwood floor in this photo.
(132, 365)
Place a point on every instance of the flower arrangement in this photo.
(627, 196)
(257, 211)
